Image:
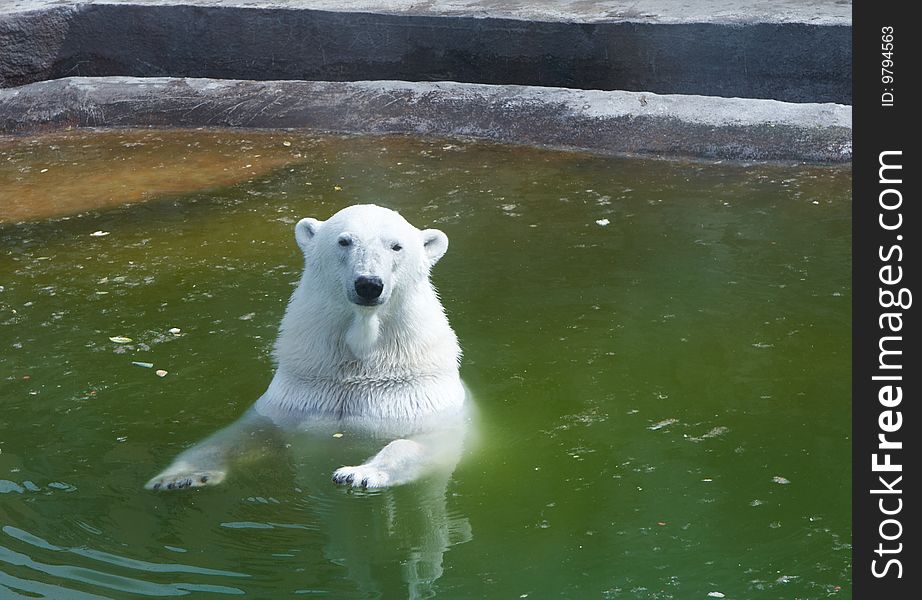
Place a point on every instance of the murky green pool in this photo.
(660, 352)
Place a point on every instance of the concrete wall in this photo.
(789, 61)
(757, 79)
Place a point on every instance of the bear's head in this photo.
(368, 253)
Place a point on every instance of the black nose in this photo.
(369, 288)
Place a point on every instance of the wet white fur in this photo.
(389, 369)
(395, 364)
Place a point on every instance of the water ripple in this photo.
(96, 578)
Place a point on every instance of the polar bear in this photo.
(364, 346)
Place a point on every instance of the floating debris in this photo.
(781, 480)
(64, 487)
(145, 365)
(716, 595)
(161, 373)
(661, 424)
(99, 234)
(713, 433)
(175, 330)
(120, 339)
(602, 222)
(286, 143)
(247, 316)
(337, 435)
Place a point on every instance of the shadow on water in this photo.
(63, 174)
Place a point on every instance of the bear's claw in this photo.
(184, 479)
(362, 476)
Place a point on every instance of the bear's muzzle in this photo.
(369, 290)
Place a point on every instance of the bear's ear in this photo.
(305, 231)
(435, 243)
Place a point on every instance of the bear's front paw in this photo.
(361, 476)
(178, 480)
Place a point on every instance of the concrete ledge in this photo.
(784, 50)
(603, 122)
(815, 12)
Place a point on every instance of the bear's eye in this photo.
(345, 242)
(396, 247)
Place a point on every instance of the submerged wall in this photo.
(669, 53)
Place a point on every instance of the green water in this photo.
(664, 399)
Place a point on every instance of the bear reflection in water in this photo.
(364, 349)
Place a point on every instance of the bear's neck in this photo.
(362, 335)
(327, 338)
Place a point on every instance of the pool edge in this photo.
(601, 122)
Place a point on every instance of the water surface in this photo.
(659, 351)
